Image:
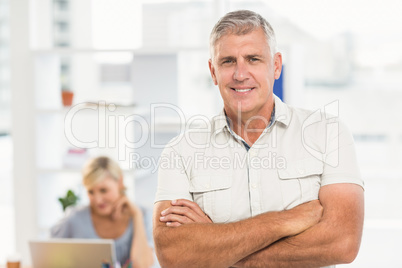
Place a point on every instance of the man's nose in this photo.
(241, 72)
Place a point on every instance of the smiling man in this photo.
(266, 184)
(245, 70)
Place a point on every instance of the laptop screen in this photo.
(72, 253)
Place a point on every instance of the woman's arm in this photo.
(140, 254)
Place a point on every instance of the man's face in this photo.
(245, 72)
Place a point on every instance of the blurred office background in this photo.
(120, 56)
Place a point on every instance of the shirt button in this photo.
(207, 186)
(254, 185)
(301, 171)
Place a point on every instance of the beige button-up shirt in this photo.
(299, 153)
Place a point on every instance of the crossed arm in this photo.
(334, 240)
(205, 244)
(257, 242)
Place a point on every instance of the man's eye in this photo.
(254, 59)
(103, 190)
(90, 192)
(228, 61)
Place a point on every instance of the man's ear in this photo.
(277, 65)
(212, 71)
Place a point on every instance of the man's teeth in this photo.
(242, 90)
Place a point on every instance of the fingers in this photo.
(180, 214)
(183, 212)
(314, 207)
(317, 209)
(173, 224)
(187, 203)
(304, 216)
(118, 207)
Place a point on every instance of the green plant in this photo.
(69, 200)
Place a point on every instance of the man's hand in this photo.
(183, 211)
(303, 217)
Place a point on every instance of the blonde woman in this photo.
(110, 215)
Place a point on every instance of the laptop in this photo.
(72, 253)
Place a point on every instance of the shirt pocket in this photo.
(300, 181)
(213, 194)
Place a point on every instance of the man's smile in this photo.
(242, 90)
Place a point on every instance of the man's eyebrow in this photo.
(231, 58)
(253, 56)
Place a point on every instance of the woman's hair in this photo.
(241, 22)
(99, 168)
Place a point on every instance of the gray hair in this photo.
(241, 22)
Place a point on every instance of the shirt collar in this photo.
(220, 122)
(282, 114)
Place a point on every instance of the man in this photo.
(241, 193)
